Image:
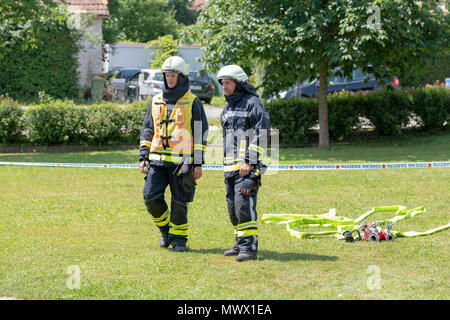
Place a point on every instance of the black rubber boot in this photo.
(164, 242)
(180, 247)
(246, 255)
(234, 251)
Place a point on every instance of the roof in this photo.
(99, 7)
(197, 5)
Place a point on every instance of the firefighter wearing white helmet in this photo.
(175, 64)
(246, 127)
(172, 147)
(233, 72)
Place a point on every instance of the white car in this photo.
(150, 82)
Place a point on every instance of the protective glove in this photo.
(247, 186)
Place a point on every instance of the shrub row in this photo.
(388, 111)
(61, 122)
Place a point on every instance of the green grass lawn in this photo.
(53, 218)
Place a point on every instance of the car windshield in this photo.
(197, 76)
(158, 76)
(125, 74)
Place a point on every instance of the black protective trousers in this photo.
(242, 212)
(173, 220)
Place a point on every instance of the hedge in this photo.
(388, 111)
(62, 122)
(38, 52)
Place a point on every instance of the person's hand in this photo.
(144, 167)
(245, 169)
(197, 172)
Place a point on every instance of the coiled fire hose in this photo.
(339, 224)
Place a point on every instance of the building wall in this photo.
(136, 55)
(90, 55)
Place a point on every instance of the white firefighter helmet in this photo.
(175, 64)
(234, 72)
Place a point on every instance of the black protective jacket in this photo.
(246, 129)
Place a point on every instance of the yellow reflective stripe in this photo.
(233, 159)
(181, 232)
(182, 226)
(243, 147)
(145, 143)
(177, 151)
(163, 157)
(163, 220)
(256, 150)
(246, 233)
(254, 146)
(247, 225)
(199, 147)
(233, 167)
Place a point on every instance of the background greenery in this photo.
(37, 50)
(53, 218)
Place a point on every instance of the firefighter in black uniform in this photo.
(246, 128)
(173, 140)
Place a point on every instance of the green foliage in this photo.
(133, 116)
(37, 51)
(139, 20)
(166, 47)
(344, 110)
(61, 122)
(387, 110)
(294, 40)
(293, 117)
(103, 123)
(10, 121)
(183, 15)
(57, 122)
(432, 69)
(432, 105)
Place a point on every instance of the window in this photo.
(158, 76)
(198, 76)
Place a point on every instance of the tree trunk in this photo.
(324, 140)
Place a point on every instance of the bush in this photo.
(10, 120)
(134, 116)
(103, 123)
(432, 105)
(344, 111)
(38, 52)
(387, 110)
(293, 117)
(58, 122)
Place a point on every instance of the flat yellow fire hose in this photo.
(339, 224)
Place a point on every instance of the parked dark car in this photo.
(122, 73)
(355, 83)
(202, 85)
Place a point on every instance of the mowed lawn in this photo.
(95, 219)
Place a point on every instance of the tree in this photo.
(139, 20)
(166, 47)
(311, 38)
(183, 14)
(38, 50)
